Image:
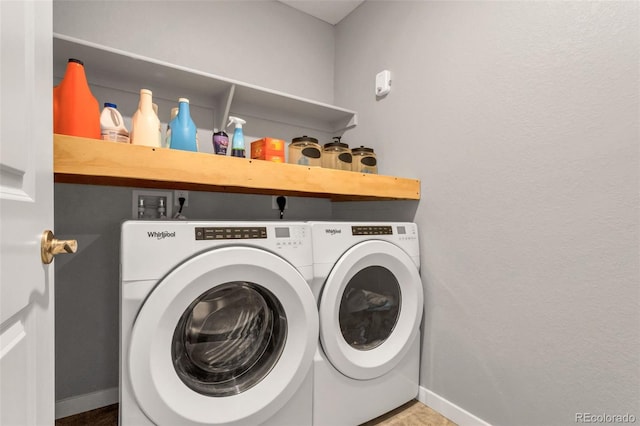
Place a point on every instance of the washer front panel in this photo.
(370, 309)
(164, 396)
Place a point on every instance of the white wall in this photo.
(521, 119)
(264, 43)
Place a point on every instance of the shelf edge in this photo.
(89, 161)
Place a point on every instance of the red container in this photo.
(269, 149)
(76, 111)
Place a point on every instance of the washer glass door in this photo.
(229, 339)
(370, 309)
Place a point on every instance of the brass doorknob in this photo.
(50, 246)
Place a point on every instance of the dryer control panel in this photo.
(371, 230)
(331, 239)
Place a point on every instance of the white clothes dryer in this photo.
(370, 300)
(218, 324)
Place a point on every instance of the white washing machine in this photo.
(218, 324)
(370, 300)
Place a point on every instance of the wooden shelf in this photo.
(97, 162)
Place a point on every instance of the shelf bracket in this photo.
(224, 106)
(342, 126)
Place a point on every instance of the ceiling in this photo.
(331, 11)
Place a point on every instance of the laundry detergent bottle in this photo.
(183, 129)
(237, 143)
(145, 125)
(112, 126)
(76, 111)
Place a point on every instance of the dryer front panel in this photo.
(227, 337)
(370, 309)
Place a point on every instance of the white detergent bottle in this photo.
(155, 111)
(237, 144)
(112, 126)
(145, 125)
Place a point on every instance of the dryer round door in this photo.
(370, 309)
(227, 337)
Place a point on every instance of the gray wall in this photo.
(521, 119)
(87, 283)
(263, 43)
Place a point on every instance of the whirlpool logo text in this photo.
(333, 231)
(161, 235)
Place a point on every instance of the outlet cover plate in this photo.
(181, 193)
(274, 202)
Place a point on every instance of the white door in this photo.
(370, 309)
(26, 210)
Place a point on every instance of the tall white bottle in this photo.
(167, 138)
(145, 125)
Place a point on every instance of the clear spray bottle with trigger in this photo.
(237, 144)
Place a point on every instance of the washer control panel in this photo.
(231, 232)
(289, 236)
(279, 236)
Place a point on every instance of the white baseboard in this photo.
(448, 409)
(89, 401)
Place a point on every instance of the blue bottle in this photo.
(237, 143)
(183, 129)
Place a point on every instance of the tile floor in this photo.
(412, 413)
